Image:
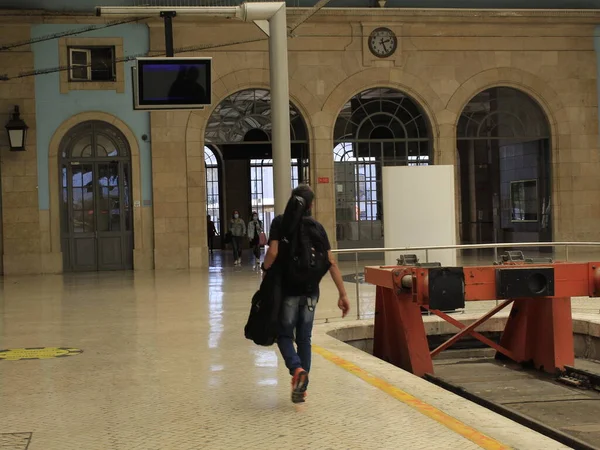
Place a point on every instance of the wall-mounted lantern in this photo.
(17, 132)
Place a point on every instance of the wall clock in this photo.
(383, 42)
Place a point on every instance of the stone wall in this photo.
(442, 62)
(22, 223)
(31, 239)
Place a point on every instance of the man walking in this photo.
(300, 295)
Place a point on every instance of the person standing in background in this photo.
(237, 227)
(255, 228)
(211, 231)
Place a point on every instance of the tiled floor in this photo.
(165, 366)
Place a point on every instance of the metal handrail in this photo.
(426, 249)
(469, 246)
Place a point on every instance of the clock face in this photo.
(383, 42)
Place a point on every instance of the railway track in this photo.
(565, 408)
(580, 378)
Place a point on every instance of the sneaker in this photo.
(299, 384)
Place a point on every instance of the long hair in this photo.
(306, 193)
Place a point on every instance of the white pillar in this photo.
(280, 109)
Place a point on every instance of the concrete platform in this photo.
(165, 366)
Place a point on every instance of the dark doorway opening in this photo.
(505, 169)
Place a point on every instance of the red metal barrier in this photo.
(539, 329)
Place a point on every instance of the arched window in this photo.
(376, 128)
(241, 126)
(213, 203)
(503, 142)
(246, 116)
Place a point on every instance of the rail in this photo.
(427, 249)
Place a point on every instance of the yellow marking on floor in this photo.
(16, 354)
(450, 422)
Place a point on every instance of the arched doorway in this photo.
(375, 128)
(95, 198)
(240, 126)
(504, 166)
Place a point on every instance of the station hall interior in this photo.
(423, 126)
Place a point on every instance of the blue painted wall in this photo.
(53, 108)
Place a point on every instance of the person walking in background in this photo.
(255, 229)
(211, 230)
(237, 227)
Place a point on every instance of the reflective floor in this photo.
(165, 366)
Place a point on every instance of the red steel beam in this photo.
(467, 330)
(570, 280)
(475, 334)
(380, 276)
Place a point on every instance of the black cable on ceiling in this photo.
(69, 33)
(33, 73)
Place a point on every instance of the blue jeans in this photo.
(236, 243)
(296, 316)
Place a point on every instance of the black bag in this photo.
(227, 238)
(263, 321)
(305, 259)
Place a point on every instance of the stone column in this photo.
(196, 181)
(445, 153)
(170, 190)
(21, 243)
(322, 167)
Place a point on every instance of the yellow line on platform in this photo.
(450, 422)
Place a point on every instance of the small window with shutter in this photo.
(80, 64)
(91, 64)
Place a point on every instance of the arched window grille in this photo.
(505, 114)
(246, 111)
(376, 128)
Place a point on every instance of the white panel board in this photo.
(419, 211)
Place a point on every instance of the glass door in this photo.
(98, 215)
(113, 218)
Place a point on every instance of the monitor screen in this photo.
(173, 83)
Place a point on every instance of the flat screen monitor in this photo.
(172, 83)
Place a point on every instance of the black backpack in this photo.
(301, 264)
(304, 258)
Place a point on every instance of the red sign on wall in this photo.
(323, 180)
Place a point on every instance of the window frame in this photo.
(88, 49)
(213, 184)
(519, 203)
(72, 65)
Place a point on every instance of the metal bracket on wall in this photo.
(168, 19)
